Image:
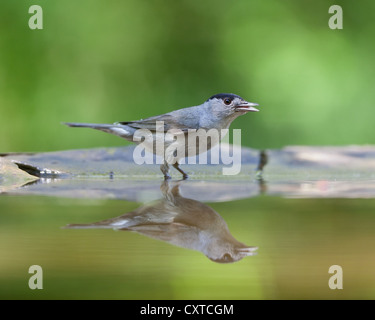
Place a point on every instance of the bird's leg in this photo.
(176, 165)
(165, 169)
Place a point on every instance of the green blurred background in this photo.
(107, 61)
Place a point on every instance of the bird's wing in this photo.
(169, 123)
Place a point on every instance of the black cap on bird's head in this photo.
(224, 95)
(235, 101)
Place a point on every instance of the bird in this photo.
(217, 112)
(182, 222)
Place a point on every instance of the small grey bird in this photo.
(217, 112)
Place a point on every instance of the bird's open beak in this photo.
(247, 106)
(247, 251)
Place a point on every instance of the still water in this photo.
(187, 240)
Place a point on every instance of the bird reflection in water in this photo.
(182, 222)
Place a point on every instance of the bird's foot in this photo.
(167, 177)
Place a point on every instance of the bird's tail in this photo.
(118, 130)
(98, 126)
(114, 223)
(87, 226)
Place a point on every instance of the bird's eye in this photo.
(227, 101)
(227, 257)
